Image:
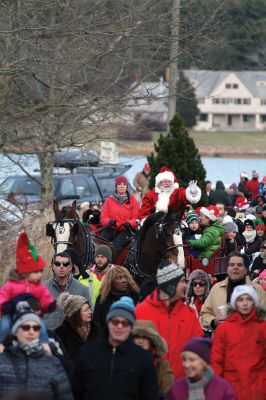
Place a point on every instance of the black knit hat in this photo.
(168, 275)
(249, 222)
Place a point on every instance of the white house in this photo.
(227, 100)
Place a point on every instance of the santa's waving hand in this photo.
(167, 195)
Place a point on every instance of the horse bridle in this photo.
(61, 222)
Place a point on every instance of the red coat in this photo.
(125, 212)
(239, 355)
(176, 326)
(178, 200)
(253, 187)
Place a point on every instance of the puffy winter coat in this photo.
(41, 373)
(253, 187)
(219, 195)
(177, 201)
(12, 289)
(239, 354)
(210, 240)
(218, 297)
(176, 325)
(217, 389)
(128, 211)
(102, 372)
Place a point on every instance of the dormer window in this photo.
(231, 86)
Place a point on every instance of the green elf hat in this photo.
(27, 257)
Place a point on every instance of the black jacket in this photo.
(101, 309)
(102, 372)
(72, 341)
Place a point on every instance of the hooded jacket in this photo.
(218, 297)
(238, 354)
(176, 325)
(210, 241)
(220, 195)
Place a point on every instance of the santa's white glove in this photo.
(193, 188)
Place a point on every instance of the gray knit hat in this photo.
(23, 314)
(230, 227)
(105, 251)
(70, 303)
(168, 275)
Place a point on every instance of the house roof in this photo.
(204, 81)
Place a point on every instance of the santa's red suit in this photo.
(172, 199)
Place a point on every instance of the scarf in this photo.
(249, 236)
(32, 349)
(196, 389)
(121, 198)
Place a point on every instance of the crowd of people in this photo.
(94, 335)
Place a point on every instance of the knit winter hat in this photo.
(244, 289)
(200, 346)
(260, 227)
(70, 303)
(23, 314)
(191, 216)
(124, 307)
(210, 212)
(27, 258)
(104, 250)
(166, 174)
(230, 227)
(168, 275)
(243, 174)
(259, 209)
(255, 174)
(263, 179)
(121, 179)
(147, 167)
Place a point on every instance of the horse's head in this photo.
(64, 229)
(167, 228)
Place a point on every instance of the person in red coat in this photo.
(175, 321)
(167, 195)
(239, 346)
(253, 185)
(119, 214)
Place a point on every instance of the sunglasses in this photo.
(58, 263)
(26, 328)
(200, 284)
(263, 248)
(116, 322)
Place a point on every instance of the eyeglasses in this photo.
(27, 328)
(58, 263)
(116, 322)
(200, 284)
(263, 248)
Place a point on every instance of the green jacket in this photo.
(210, 240)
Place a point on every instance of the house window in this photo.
(246, 118)
(261, 83)
(237, 101)
(247, 101)
(262, 102)
(231, 86)
(228, 86)
(235, 85)
(203, 117)
(225, 101)
(216, 101)
(263, 118)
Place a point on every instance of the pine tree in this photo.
(178, 152)
(186, 103)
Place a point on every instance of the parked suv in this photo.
(82, 187)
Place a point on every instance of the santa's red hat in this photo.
(210, 212)
(165, 174)
(27, 259)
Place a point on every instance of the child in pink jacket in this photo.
(25, 280)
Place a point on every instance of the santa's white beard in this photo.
(164, 199)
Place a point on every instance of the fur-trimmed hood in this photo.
(260, 312)
(200, 275)
(147, 329)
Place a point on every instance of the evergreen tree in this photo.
(178, 152)
(186, 103)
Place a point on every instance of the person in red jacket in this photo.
(167, 195)
(119, 214)
(175, 321)
(253, 185)
(239, 346)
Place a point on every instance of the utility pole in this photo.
(173, 59)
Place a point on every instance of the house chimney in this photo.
(167, 74)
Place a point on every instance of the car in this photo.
(93, 187)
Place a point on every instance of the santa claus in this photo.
(167, 195)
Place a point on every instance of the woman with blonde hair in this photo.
(116, 283)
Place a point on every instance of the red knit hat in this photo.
(147, 167)
(27, 257)
(121, 179)
(260, 227)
